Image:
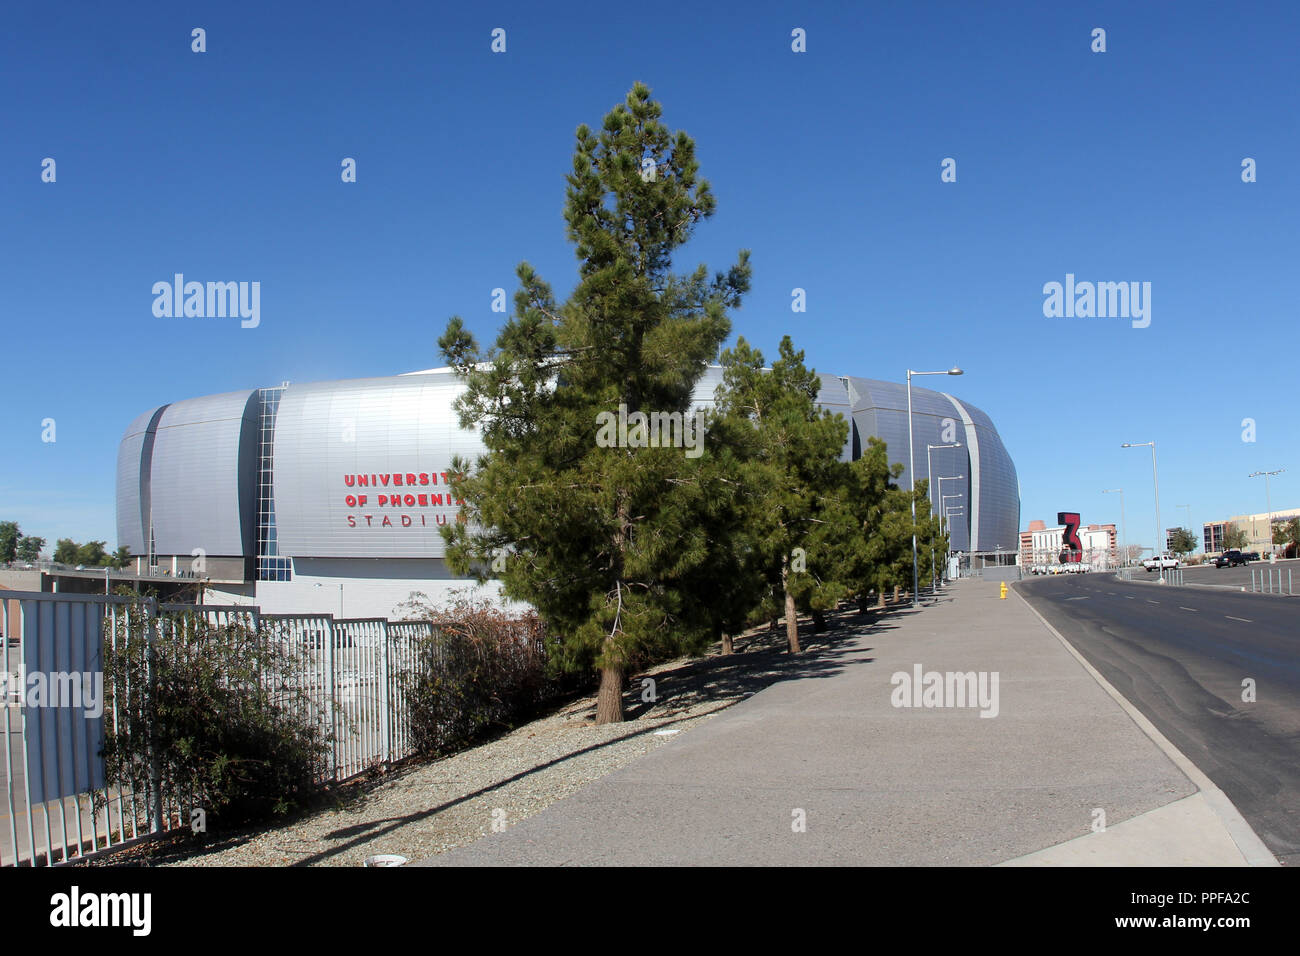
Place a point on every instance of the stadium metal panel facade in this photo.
(329, 496)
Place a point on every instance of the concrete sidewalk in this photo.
(877, 784)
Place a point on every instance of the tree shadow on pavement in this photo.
(761, 659)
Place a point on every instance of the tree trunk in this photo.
(896, 590)
(791, 619)
(819, 622)
(726, 644)
(880, 599)
(609, 703)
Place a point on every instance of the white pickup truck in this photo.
(1161, 562)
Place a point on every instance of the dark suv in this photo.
(1230, 559)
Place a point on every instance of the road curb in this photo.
(1243, 835)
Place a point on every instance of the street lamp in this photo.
(928, 482)
(1122, 537)
(942, 497)
(949, 510)
(1155, 473)
(942, 479)
(929, 487)
(911, 472)
(952, 511)
(1268, 497)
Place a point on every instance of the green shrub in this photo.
(482, 671)
(222, 717)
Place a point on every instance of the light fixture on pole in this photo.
(1122, 537)
(950, 510)
(929, 484)
(943, 527)
(1268, 497)
(911, 471)
(947, 514)
(1155, 474)
(929, 487)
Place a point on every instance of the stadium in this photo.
(327, 497)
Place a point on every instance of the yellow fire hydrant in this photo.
(1003, 595)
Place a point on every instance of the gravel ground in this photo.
(422, 809)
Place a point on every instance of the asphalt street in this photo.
(1181, 655)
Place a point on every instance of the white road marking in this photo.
(1149, 601)
(1241, 619)
(1192, 609)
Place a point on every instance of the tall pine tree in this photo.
(792, 474)
(610, 544)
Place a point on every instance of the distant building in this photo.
(1040, 544)
(1212, 536)
(329, 497)
(1256, 526)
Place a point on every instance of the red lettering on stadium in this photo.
(407, 479)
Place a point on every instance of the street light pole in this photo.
(928, 482)
(1268, 498)
(1123, 538)
(947, 515)
(948, 510)
(929, 487)
(911, 473)
(1155, 473)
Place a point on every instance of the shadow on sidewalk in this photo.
(761, 659)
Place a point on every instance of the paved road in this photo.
(1180, 654)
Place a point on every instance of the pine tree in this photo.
(878, 554)
(791, 474)
(931, 537)
(609, 544)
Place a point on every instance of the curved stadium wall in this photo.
(327, 497)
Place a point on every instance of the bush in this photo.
(482, 671)
(223, 716)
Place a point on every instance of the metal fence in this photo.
(1172, 576)
(1272, 581)
(348, 676)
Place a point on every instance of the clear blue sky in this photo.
(225, 166)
